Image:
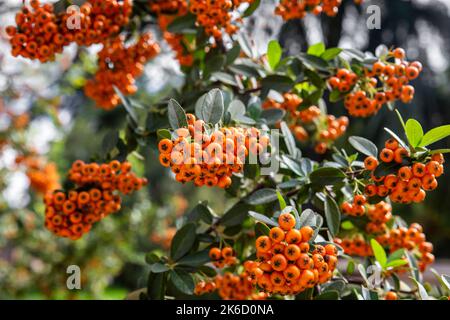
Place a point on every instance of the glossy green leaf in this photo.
(414, 132)
(332, 215)
(379, 253)
(364, 146)
(183, 241)
(176, 114)
(274, 53)
(434, 135)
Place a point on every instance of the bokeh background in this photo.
(44, 113)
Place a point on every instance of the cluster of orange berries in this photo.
(222, 258)
(378, 214)
(210, 159)
(230, 287)
(72, 214)
(285, 264)
(386, 81)
(176, 41)
(41, 33)
(355, 246)
(217, 16)
(412, 239)
(171, 7)
(310, 123)
(119, 66)
(410, 182)
(43, 176)
(289, 9)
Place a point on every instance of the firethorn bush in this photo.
(313, 208)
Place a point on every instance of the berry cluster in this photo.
(285, 264)
(289, 9)
(41, 33)
(411, 180)
(311, 123)
(411, 239)
(386, 81)
(43, 178)
(209, 159)
(230, 287)
(43, 175)
(378, 214)
(176, 41)
(119, 66)
(171, 7)
(222, 258)
(355, 246)
(71, 214)
(218, 16)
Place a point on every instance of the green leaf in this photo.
(247, 47)
(396, 263)
(281, 200)
(332, 215)
(414, 132)
(289, 139)
(316, 49)
(396, 137)
(177, 116)
(183, 241)
(163, 134)
(183, 24)
(213, 113)
(313, 62)
(326, 176)
(225, 78)
(182, 281)
(350, 267)
(200, 212)
(379, 253)
(235, 215)
(214, 64)
(398, 254)
(347, 225)
(236, 109)
(158, 267)
(331, 53)
(130, 110)
(435, 135)
(261, 229)
(152, 257)
(262, 196)
(423, 294)
(328, 295)
(273, 115)
(276, 82)
(156, 285)
(251, 8)
(308, 218)
(262, 218)
(364, 146)
(195, 259)
(233, 54)
(274, 53)
(384, 169)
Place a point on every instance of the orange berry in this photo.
(286, 221)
